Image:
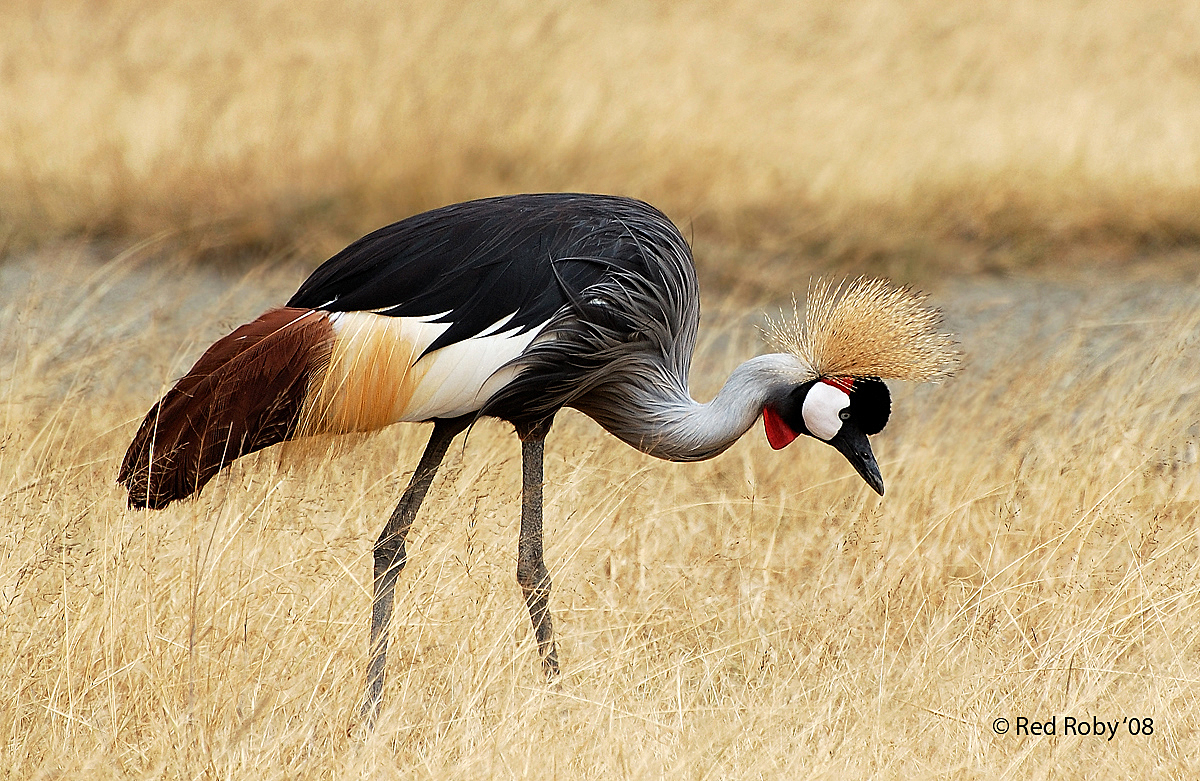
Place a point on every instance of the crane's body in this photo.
(446, 306)
(511, 307)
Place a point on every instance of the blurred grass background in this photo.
(970, 135)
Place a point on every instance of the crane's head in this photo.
(842, 412)
(851, 338)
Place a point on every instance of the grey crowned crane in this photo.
(515, 307)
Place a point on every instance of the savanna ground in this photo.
(168, 170)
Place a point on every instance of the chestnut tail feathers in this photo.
(246, 392)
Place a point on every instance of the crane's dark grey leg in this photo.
(390, 556)
(531, 569)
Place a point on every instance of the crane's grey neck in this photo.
(659, 417)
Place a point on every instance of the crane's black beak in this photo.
(853, 444)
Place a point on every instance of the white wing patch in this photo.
(376, 375)
(461, 377)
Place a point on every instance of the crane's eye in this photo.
(844, 414)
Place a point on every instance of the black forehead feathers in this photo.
(870, 404)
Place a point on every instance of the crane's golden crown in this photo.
(867, 328)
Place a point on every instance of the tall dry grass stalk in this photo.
(761, 615)
(876, 124)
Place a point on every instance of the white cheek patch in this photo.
(821, 410)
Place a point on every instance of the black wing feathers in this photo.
(473, 264)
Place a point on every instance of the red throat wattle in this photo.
(779, 434)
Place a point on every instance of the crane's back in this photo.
(512, 306)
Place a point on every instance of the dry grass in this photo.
(761, 615)
(852, 129)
